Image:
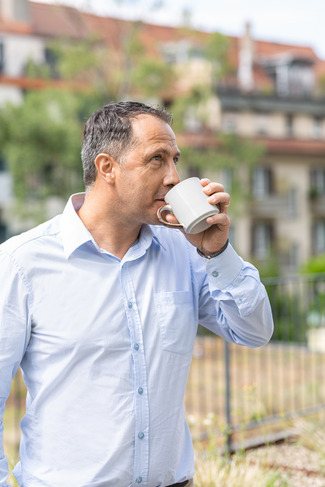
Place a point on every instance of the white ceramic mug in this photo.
(190, 205)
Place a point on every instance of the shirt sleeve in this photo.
(14, 336)
(233, 302)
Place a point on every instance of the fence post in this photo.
(228, 397)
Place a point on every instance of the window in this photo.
(226, 178)
(262, 122)
(262, 237)
(289, 126)
(317, 180)
(262, 182)
(317, 128)
(292, 203)
(21, 10)
(319, 237)
(2, 58)
(191, 121)
(229, 123)
(177, 52)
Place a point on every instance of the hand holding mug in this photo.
(201, 211)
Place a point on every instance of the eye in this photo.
(176, 160)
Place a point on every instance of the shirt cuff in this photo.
(223, 269)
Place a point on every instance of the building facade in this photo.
(273, 97)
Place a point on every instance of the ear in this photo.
(106, 168)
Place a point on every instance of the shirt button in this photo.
(140, 390)
(139, 480)
(215, 274)
(141, 435)
(129, 304)
(136, 346)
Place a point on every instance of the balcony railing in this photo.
(317, 205)
(270, 206)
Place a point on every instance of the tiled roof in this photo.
(294, 146)
(57, 20)
(309, 147)
(48, 20)
(271, 48)
(25, 83)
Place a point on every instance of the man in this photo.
(100, 308)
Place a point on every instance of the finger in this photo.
(221, 219)
(213, 188)
(171, 218)
(205, 181)
(222, 200)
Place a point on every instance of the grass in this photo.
(237, 472)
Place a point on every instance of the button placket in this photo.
(140, 466)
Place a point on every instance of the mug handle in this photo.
(167, 224)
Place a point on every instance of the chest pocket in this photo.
(178, 321)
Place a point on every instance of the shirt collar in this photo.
(74, 233)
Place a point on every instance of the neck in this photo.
(102, 220)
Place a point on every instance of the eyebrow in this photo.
(164, 151)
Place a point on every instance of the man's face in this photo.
(148, 171)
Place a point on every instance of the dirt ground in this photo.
(299, 466)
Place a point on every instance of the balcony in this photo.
(271, 206)
(317, 205)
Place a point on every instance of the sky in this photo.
(298, 22)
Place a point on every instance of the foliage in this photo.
(268, 268)
(152, 77)
(314, 265)
(45, 130)
(40, 140)
(216, 51)
(76, 60)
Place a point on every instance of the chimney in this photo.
(246, 59)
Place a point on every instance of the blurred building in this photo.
(274, 97)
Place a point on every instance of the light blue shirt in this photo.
(105, 347)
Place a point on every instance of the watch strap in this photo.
(213, 255)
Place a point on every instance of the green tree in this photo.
(40, 140)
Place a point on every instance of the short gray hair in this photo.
(109, 130)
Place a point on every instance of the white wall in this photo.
(10, 94)
(303, 127)
(18, 49)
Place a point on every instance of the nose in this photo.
(171, 177)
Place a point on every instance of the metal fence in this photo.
(233, 389)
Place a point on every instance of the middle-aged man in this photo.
(100, 306)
